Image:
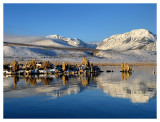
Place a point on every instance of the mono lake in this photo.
(103, 95)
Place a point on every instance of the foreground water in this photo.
(104, 95)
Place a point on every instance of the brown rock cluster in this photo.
(15, 65)
(125, 67)
(85, 62)
(46, 65)
(64, 66)
(32, 64)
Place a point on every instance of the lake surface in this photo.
(104, 95)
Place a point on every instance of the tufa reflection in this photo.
(125, 75)
(16, 79)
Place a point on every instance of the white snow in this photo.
(27, 53)
(135, 46)
(151, 46)
(136, 39)
(51, 42)
(60, 41)
(128, 56)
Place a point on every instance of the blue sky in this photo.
(88, 22)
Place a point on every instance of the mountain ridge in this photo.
(135, 39)
(128, 47)
(60, 41)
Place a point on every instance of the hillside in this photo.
(135, 39)
(60, 41)
(28, 53)
(135, 46)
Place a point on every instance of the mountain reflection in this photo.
(135, 89)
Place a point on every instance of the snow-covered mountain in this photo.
(135, 46)
(60, 41)
(135, 39)
(151, 46)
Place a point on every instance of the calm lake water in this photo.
(104, 95)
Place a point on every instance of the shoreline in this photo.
(94, 63)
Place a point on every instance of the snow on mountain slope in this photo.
(27, 53)
(71, 41)
(12, 51)
(60, 41)
(151, 46)
(128, 56)
(52, 42)
(136, 39)
(135, 46)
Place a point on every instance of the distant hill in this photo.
(135, 46)
(60, 41)
(135, 39)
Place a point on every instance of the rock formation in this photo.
(15, 65)
(125, 67)
(85, 62)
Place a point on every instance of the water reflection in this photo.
(16, 79)
(64, 79)
(137, 88)
(140, 86)
(125, 75)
